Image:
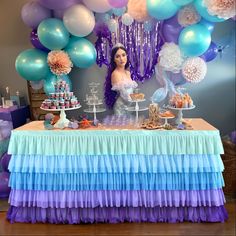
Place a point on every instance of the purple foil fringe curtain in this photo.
(142, 46)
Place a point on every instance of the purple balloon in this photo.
(5, 161)
(171, 29)
(211, 52)
(176, 78)
(4, 189)
(233, 136)
(60, 12)
(33, 13)
(35, 41)
(58, 4)
(118, 3)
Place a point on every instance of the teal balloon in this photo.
(50, 81)
(32, 64)
(67, 79)
(161, 9)
(53, 34)
(182, 2)
(194, 40)
(82, 52)
(202, 10)
(210, 25)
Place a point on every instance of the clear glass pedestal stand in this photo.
(179, 118)
(94, 110)
(137, 109)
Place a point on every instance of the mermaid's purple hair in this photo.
(110, 96)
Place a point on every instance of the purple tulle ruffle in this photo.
(116, 198)
(116, 215)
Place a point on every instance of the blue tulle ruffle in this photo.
(116, 181)
(116, 164)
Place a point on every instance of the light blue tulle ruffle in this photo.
(115, 142)
(116, 181)
(116, 164)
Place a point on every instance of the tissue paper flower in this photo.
(222, 8)
(59, 62)
(188, 16)
(170, 58)
(138, 10)
(194, 69)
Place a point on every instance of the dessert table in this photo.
(116, 175)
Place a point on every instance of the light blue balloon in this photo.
(182, 2)
(162, 9)
(32, 64)
(102, 17)
(118, 11)
(202, 10)
(82, 52)
(194, 40)
(159, 95)
(53, 34)
(50, 81)
(210, 25)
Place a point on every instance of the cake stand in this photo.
(136, 108)
(63, 121)
(166, 119)
(179, 118)
(95, 110)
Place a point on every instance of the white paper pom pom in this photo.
(170, 58)
(188, 16)
(127, 19)
(222, 8)
(194, 69)
(112, 25)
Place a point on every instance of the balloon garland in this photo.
(142, 26)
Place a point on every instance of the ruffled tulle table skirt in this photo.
(88, 176)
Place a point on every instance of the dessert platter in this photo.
(166, 115)
(180, 102)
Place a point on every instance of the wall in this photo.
(214, 96)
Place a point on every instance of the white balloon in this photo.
(79, 20)
(100, 6)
